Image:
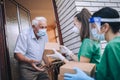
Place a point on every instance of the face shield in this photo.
(95, 27)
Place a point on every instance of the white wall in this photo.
(94, 5)
(67, 10)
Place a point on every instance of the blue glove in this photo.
(80, 75)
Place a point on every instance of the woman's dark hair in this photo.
(108, 12)
(83, 17)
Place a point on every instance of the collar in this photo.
(32, 34)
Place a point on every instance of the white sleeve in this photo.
(21, 44)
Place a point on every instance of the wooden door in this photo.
(17, 18)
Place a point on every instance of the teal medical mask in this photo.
(41, 32)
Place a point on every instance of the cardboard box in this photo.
(48, 50)
(49, 46)
(60, 77)
(88, 68)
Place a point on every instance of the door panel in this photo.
(12, 31)
(17, 19)
(24, 19)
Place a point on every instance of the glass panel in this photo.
(24, 19)
(12, 31)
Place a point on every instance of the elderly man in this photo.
(29, 50)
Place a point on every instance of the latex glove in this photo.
(56, 55)
(64, 49)
(80, 75)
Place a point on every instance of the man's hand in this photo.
(33, 63)
(80, 75)
(41, 68)
(20, 57)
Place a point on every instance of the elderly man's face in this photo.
(41, 25)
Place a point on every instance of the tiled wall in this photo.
(67, 10)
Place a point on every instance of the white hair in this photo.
(36, 20)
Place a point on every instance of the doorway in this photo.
(18, 16)
(43, 8)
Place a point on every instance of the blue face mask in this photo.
(41, 32)
(98, 36)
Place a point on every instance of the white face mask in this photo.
(41, 32)
(75, 30)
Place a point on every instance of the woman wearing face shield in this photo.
(89, 51)
(109, 66)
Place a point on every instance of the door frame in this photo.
(57, 22)
(5, 71)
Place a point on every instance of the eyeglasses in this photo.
(43, 27)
